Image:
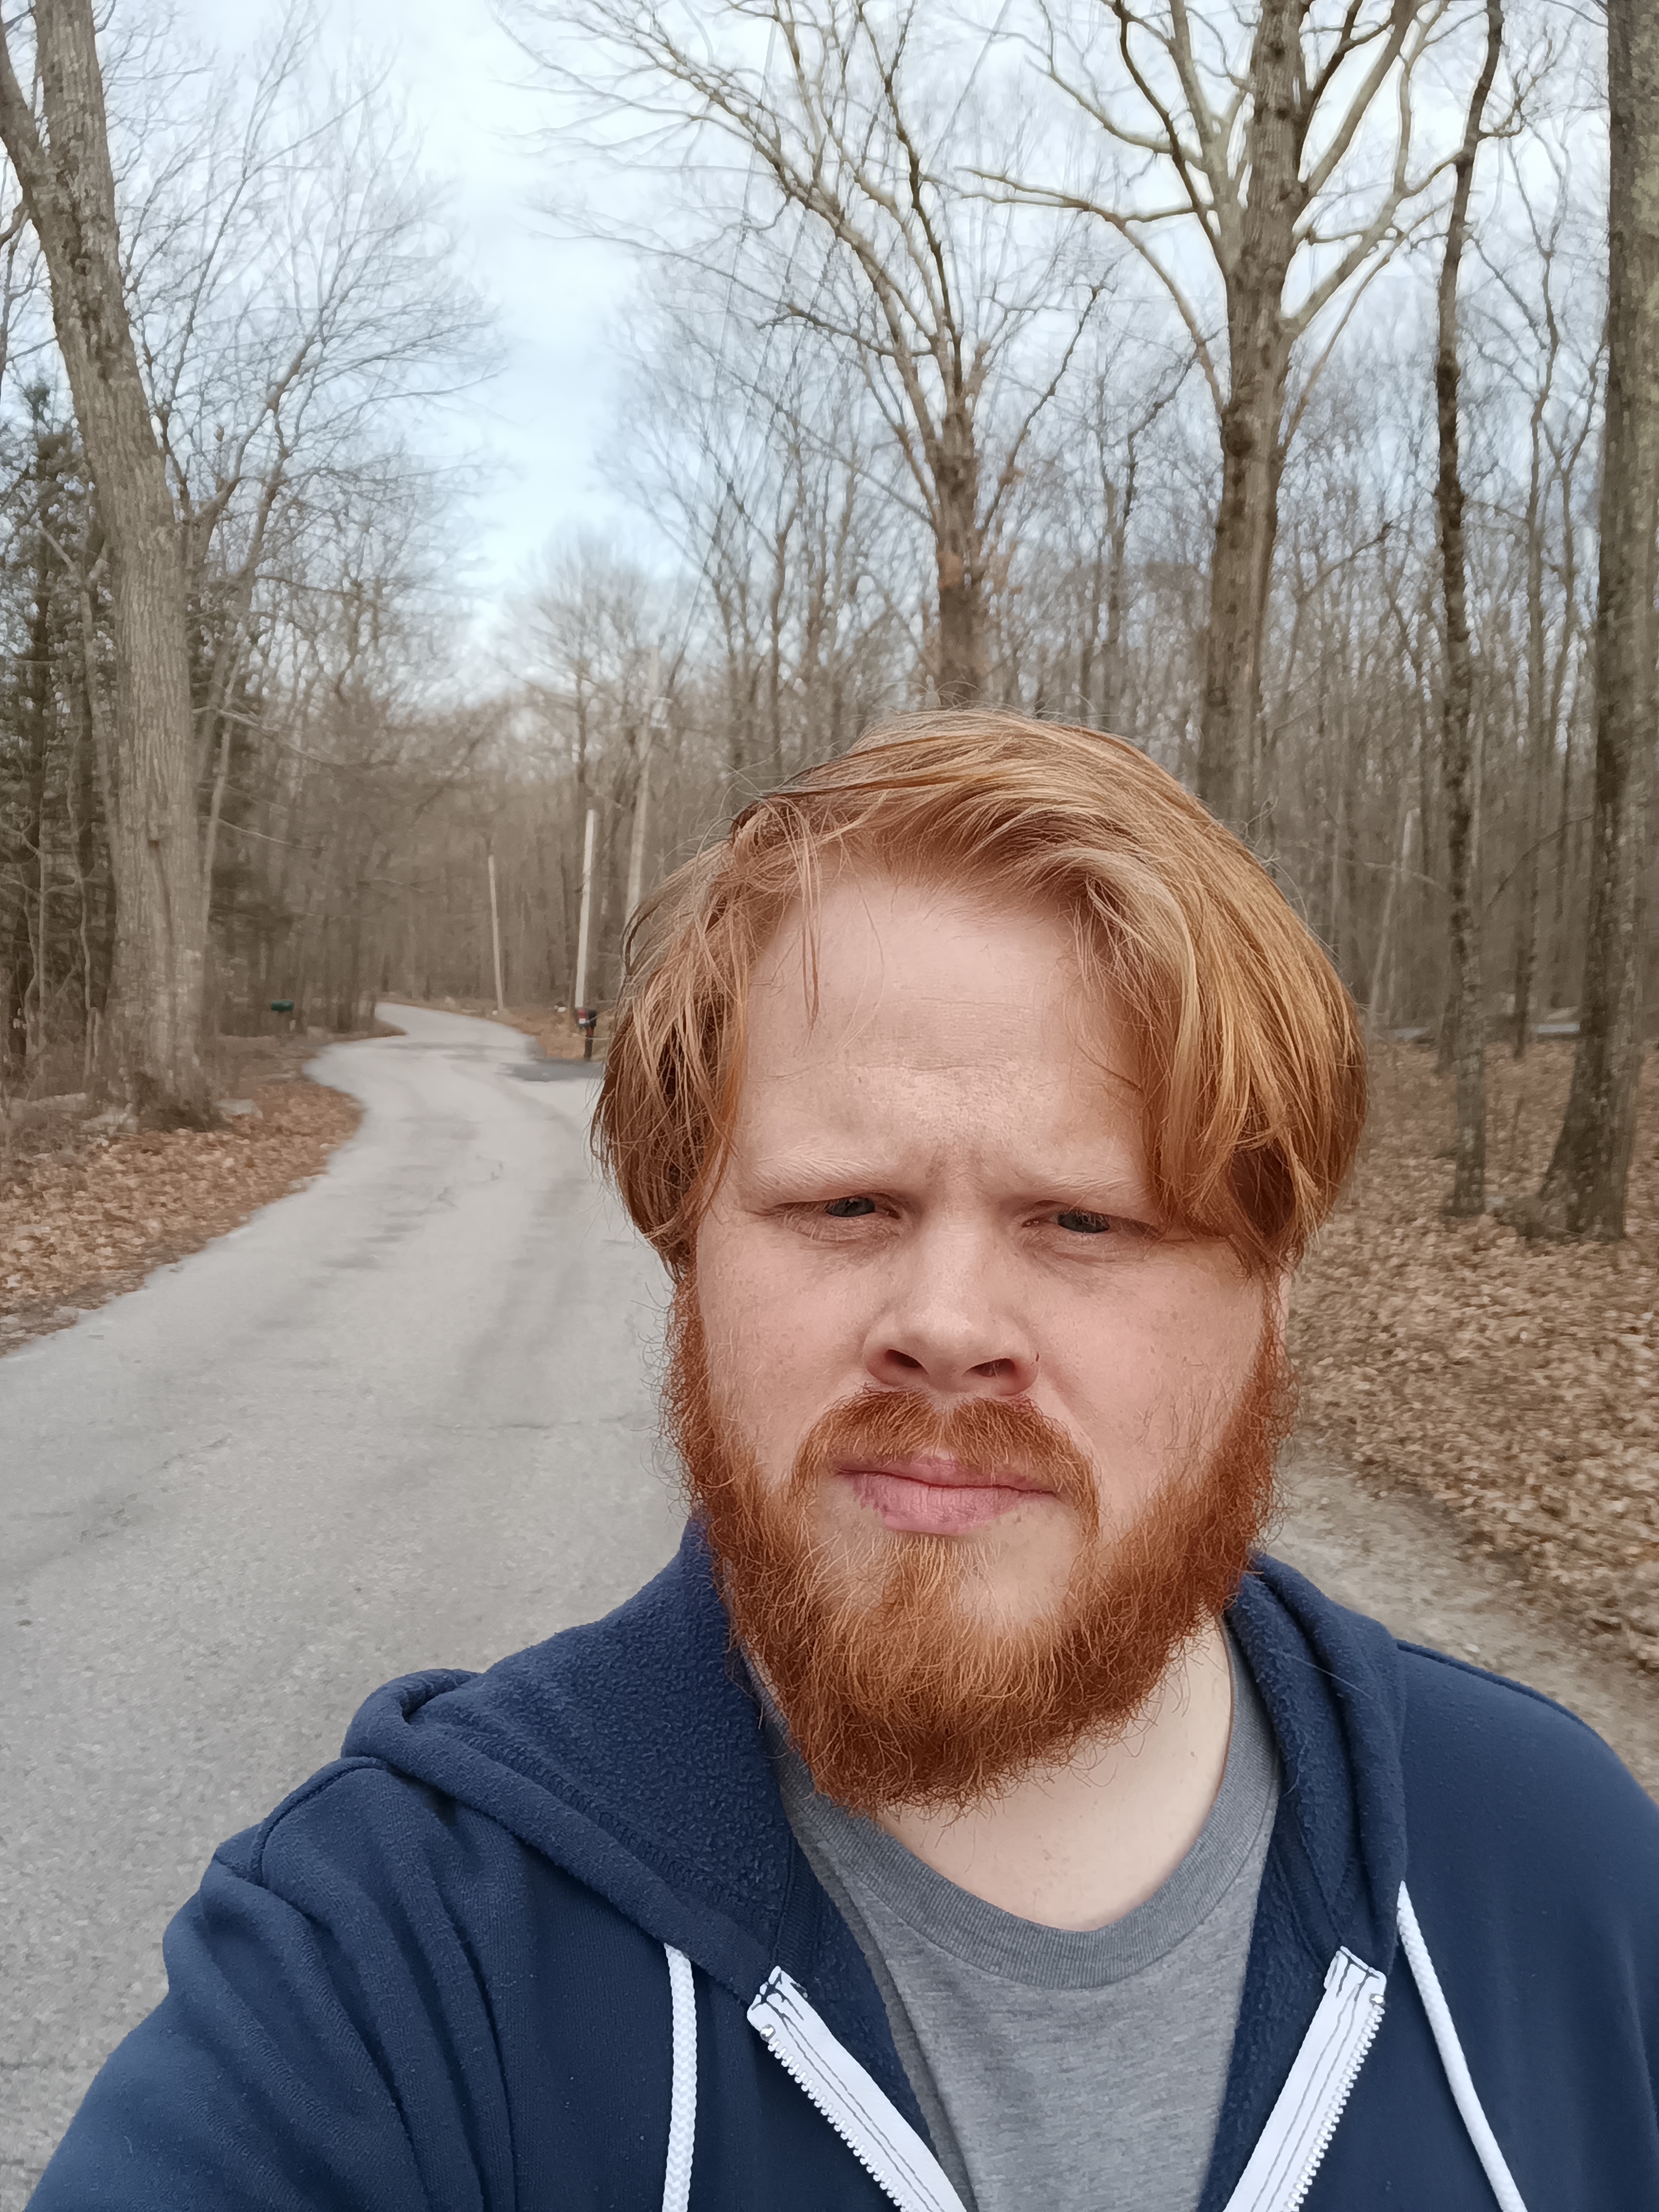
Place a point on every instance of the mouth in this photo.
(929, 1497)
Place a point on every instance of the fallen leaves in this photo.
(1513, 1382)
(88, 1214)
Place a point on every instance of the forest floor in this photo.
(1513, 1382)
(87, 1211)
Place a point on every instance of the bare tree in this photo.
(1583, 1193)
(1254, 124)
(62, 163)
(868, 242)
(1467, 1002)
(1530, 334)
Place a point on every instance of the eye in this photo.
(1084, 1224)
(849, 1209)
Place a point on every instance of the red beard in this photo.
(899, 1693)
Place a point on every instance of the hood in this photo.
(630, 1751)
(1332, 1682)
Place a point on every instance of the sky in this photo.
(545, 417)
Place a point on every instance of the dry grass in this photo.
(85, 1213)
(1512, 1382)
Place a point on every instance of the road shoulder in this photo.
(1401, 1557)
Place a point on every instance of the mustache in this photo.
(895, 1688)
(998, 1439)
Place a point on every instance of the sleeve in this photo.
(323, 2046)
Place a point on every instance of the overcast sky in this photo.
(546, 415)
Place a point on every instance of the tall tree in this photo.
(870, 242)
(1246, 131)
(153, 1034)
(1583, 1193)
(1467, 1001)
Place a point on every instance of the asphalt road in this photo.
(402, 1418)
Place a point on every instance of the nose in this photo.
(946, 1328)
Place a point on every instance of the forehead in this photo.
(897, 997)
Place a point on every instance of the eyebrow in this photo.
(1108, 1181)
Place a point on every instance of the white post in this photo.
(581, 998)
(636, 843)
(643, 796)
(495, 937)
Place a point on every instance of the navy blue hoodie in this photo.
(541, 1938)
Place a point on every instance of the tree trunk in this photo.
(774, 621)
(1241, 567)
(152, 1058)
(1088, 637)
(1559, 947)
(1583, 1193)
(1534, 766)
(958, 556)
(1543, 692)
(1378, 997)
(1457, 748)
(28, 964)
(1111, 715)
(1258, 364)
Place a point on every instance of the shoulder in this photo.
(1522, 1781)
(358, 1828)
(375, 1875)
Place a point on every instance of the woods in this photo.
(1275, 387)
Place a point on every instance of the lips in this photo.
(928, 1497)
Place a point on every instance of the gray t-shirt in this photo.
(1079, 2070)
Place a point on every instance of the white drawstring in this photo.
(682, 2088)
(683, 2092)
(1493, 2163)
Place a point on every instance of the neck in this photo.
(1081, 1844)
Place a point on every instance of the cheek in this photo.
(777, 1346)
(1156, 1388)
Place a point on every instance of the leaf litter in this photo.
(1512, 1382)
(86, 1211)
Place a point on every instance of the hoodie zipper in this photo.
(1281, 2169)
(1292, 2146)
(867, 2121)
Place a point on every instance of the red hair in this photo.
(1253, 1062)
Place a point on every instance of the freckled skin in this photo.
(938, 1184)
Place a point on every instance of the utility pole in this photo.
(642, 795)
(578, 1006)
(495, 936)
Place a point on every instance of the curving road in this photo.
(402, 1418)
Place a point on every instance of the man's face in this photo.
(979, 1443)
(937, 1186)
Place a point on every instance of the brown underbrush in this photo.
(1513, 1382)
(87, 1211)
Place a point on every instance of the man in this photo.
(966, 1818)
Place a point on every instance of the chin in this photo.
(997, 1581)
